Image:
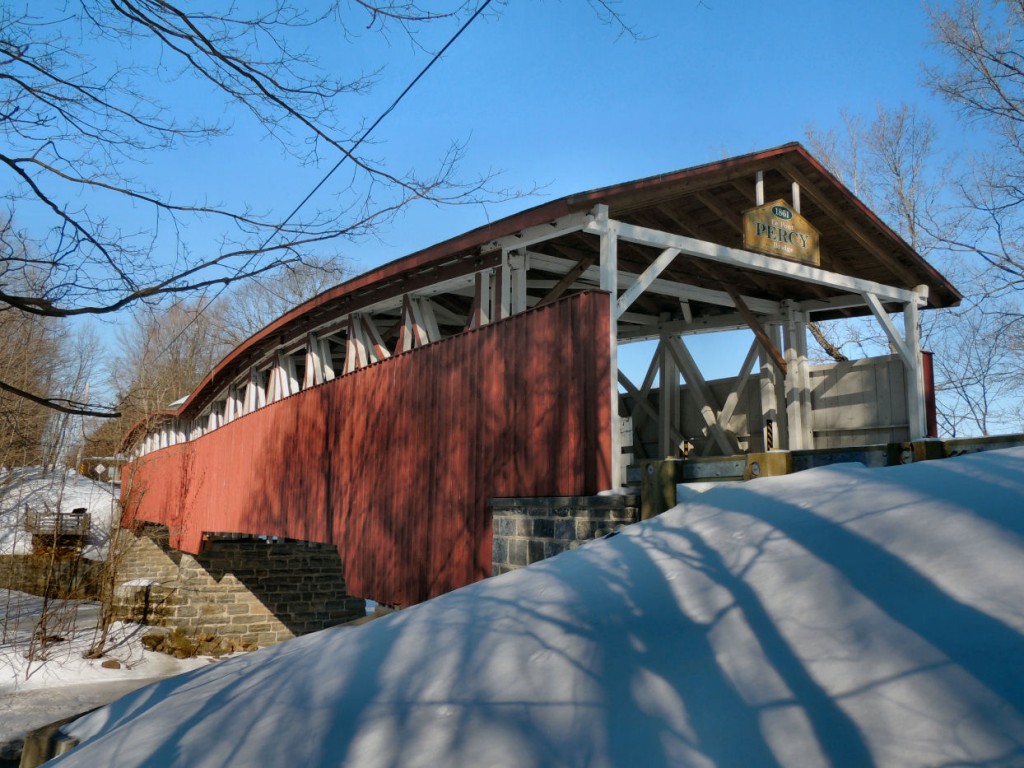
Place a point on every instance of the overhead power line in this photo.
(347, 154)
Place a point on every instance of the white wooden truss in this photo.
(520, 271)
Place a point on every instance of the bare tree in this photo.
(982, 76)
(253, 304)
(78, 125)
(892, 164)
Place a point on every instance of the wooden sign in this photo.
(777, 230)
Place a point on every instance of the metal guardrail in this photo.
(47, 523)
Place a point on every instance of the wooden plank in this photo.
(755, 326)
(566, 282)
(867, 242)
(645, 405)
(761, 263)
(890, 330)
(733, 398)
(643, 282)
(660, 286)
(705, 399)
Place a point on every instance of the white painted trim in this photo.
(642, 283)
(733, 399)
(760, 263)
(565, 225)
(890, 330)
(702, 394)
(661, 287)
(327, 359)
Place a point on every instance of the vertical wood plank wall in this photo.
(395, 463)
(860, 402)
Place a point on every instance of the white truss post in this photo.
(668, 401)
(782, 425)
(251, 400)
(769, 402)
(291, 376)
(481, 311)
(314, 373)
(796, 387)
(519, 263)
(609, 234)
(327, 359)
(704, 397)
(426, 319)
(261, 388)
(275, 383)
(230, 406)
(908, 347)
(355, 347)
(503, 288)
(804, 377)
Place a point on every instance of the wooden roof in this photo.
(704, 202)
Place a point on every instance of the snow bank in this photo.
(34, 692)
(63, 490)
(841, 616)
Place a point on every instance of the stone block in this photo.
(535, 550)
(505, 526)
(552, 548)
(517, 552)
(543, 527)
(589, 529)
(565, 530)
(499, 549)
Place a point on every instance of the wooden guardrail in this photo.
(46, 523)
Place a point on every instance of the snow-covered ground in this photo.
(36, 691)
(841, 616)
(39, 686)
(61, 490)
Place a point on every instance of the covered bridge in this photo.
(383, 414)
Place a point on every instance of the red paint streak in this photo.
(930, 413)
(395, 463)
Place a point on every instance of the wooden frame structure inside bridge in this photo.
(667, 255)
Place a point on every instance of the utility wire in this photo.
(347, 154)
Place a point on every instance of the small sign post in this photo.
(776, 229)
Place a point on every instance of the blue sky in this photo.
(543, 92)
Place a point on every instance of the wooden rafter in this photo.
(566, 282)
(852, 229)
(706, 401)
(759, 332)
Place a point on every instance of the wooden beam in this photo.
(759, 332)
(661, 286)
(566, 282)
(644, 405)
(761, 263)
(890, 330)
(645, 280)
(702, 394)
(734, 396)
(732, 218)
(854, 231)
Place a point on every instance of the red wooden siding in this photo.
(395, 463)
